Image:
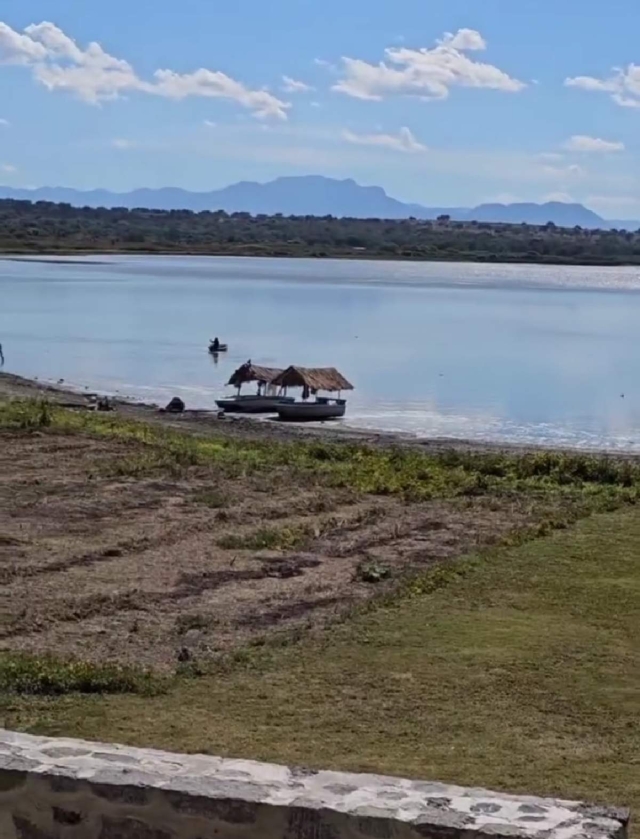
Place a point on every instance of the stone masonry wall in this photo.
(70, 789)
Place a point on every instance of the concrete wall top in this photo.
(58, 788)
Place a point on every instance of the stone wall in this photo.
(69, 789)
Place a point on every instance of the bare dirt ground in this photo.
(157, 569)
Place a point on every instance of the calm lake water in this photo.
(521, 354)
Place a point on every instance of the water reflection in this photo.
(485, 352)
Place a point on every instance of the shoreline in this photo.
(65, 257)
(202, 422)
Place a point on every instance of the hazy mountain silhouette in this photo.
(318, 196)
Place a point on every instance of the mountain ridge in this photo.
(315, 195)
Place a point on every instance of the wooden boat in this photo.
(221, 348)
(318, 411)
(255, 404)
(265, 401)
(311, 380)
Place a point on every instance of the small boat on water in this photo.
(312, 380)
(214, 348)
(265, 401)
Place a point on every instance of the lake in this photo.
(521, 354)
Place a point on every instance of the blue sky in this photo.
(443, 102)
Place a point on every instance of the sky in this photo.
(442, 102)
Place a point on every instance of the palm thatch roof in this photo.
(249, 372)
(315, 378)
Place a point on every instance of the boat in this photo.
(256, 404)
(220, 348)
(265, 401)
(312, 380)
(319, 410)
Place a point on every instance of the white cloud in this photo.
(5, 123)
(8, 169)
(464, 40)
(623, 85)
(19, 49)
(58, 63)
(294, 86)
(403, 141)
(122, 144)
(583, 143)
(425, 73)
(209, 123)
(216, 85)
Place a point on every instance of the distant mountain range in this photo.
(315, 195)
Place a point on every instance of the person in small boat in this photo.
(215, 345)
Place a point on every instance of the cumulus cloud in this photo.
(623, 86)
(583, 143)
(465, 40)
(403, 141)
(8, 169)
(94, 75)
(425, 73)
(294, 86)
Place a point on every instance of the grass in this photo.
(267, 539)
(518, 669)
(25, 674)
(599, 482)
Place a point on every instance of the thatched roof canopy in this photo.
(249, 372)
(315, 378)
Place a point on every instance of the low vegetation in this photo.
(471, 617)
(47, 675)
(517, 669)
(404, 471)
(44, 227)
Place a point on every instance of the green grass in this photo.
(515, 669)
(599, 482)
(267, 539)
(25, 674)
(518, 669)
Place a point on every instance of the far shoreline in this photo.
(69, 257)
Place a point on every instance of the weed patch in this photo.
(48, 676)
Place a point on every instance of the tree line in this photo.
(46, 228)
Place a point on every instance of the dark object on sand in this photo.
(176, 406)
(103, 404)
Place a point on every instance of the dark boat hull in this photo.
(252, 404)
